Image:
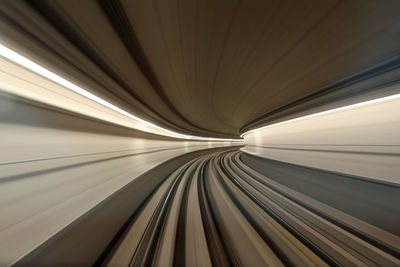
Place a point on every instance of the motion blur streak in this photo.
(217, 210)
(199, 133)
(361, 139)
(370, 102)
(15, 57)
(66, 166)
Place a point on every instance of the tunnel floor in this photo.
(228, 208)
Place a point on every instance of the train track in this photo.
(215, 210)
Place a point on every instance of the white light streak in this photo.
(369, 102)
(36, 68)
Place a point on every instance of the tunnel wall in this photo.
(57, 165)
(362, 141)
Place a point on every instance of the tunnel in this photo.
(199, 133)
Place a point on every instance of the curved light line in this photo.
(36, 68)
(382, 99)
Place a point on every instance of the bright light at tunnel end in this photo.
(369, 102)
(36, 68)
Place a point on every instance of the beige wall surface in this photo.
(363, 140)
(56, 165)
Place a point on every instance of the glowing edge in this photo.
(21, 60)
(325, 112)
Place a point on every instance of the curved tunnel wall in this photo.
(56, 165)
(72, 172)
(362, 140)
(62, 172)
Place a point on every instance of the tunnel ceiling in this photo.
(210, 67)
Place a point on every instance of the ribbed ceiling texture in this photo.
(212, 67)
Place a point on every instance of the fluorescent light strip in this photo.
(382, 99)
(32, 66)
